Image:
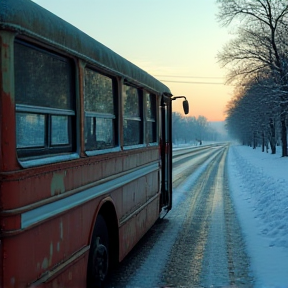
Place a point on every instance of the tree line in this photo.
(257, 63)
(192, 130)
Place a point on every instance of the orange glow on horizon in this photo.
(199, 109)
(204, 100)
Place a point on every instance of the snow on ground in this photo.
(259, 187)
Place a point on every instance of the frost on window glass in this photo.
(99, 111)
(131, 132)
(45, 102)
(42, 79)
(60, 130)
(99, 133)
(131, 102)
(30, 130)
(132, 125)
(151, 118)
(98, 93)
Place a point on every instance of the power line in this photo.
(197, 77)
(192, 82)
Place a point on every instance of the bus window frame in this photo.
(151, 120)
(54, 153)
(141, 118)
(95, 115)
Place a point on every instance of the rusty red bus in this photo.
(85, 162)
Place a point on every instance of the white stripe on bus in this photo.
(50, 210)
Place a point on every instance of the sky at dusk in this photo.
(174, 40)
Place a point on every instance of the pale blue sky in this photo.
(163, 37)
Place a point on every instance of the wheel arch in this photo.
(107, 210)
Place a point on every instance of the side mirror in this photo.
(186, 106)
(185, 103)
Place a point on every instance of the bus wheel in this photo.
(99, 254)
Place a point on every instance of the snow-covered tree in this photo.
(260, 48)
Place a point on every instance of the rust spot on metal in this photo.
(6, 47)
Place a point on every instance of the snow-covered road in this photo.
(196, 244)
(199, 242)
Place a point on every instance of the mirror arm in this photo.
(168, 97)
(176, 97)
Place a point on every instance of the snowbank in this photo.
(259, 186)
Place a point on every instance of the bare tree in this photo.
(260, 47)
(251, 114)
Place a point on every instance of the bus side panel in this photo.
(57, 238)
(73, 276)
(135, 195)
(137, 226)
(29, 254)
(42, 183)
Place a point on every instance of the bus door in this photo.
(166, 154)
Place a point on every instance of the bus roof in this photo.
(28, 18)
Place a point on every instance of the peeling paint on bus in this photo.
(61, 236)
(57, 183)
(12, 281)
(51, 254)
(45, 262)
(58, 247)
(61, 229)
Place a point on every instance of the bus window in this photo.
(59, 133)
(44, 101)
(151, 118)
(132, 126)
(99, 111)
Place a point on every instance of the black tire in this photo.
(98, 263)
